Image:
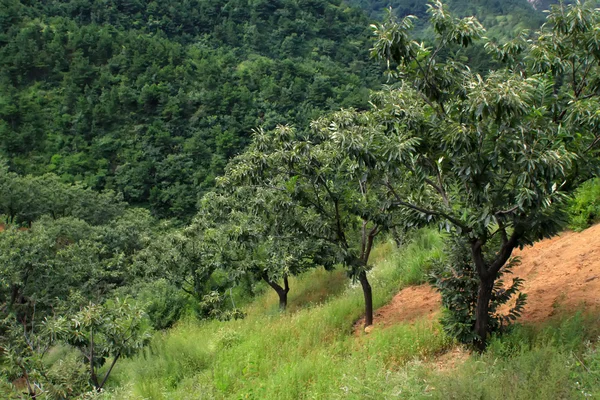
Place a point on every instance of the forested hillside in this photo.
(152, 98)
(205, 199)
(501, 18)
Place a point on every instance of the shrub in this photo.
(68, 377)
(214, 305)
(7, 389)
(584, 208)
(458, 284)
(164, 303)
(117, 329)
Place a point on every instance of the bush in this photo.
(7, 389)
(68, 377)
(424, 250)
(164, 303)
(584, 208)
(458, 283)
(214, 306)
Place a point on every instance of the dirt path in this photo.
(561, 274)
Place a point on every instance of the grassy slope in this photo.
(310, 352)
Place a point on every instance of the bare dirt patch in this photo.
(561, 274)
(410, 304)
(451, 359)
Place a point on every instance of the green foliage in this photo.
(458, 283)
(584, 207)
(164, 303)
(213, 305)
(503, 20)
(550, 362)
(24, 199)
(308, 289)
(195, 259)
(151, 99)
(69, 377)
(7, 390)
(264, 241)
(450, 143)
(56, 265)
(65, 263)
(492, 158)
(23, 348)
(423, 252)
(326, 198)
(308, 353)
(311, 353)
(113, 330)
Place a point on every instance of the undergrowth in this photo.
(584, 207)
(312, 351)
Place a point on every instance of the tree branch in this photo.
(401, 202)
(438, 189)
(109, 371)
(503, 212)
(506, 251)
(370, 239)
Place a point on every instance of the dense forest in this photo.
(167, 166)
(500, 18)
(152, 98)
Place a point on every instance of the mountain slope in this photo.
(312, 353)
(501, 18)
(152, 98)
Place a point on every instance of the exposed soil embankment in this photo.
(561, 274)
(410, 304)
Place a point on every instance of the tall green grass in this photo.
(584, 207)
(312, 352)
(311, 289)
(557, 361)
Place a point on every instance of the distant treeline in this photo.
(501, 18)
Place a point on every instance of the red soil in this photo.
(561, 274)
(408, 305)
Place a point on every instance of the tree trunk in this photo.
(482, 315)
(31, 390)
(286, 289)
(14, 294)
(282, 299)
(368, 294)
(282, 292)
(108, 372)
(93, 375)
(487, 277)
